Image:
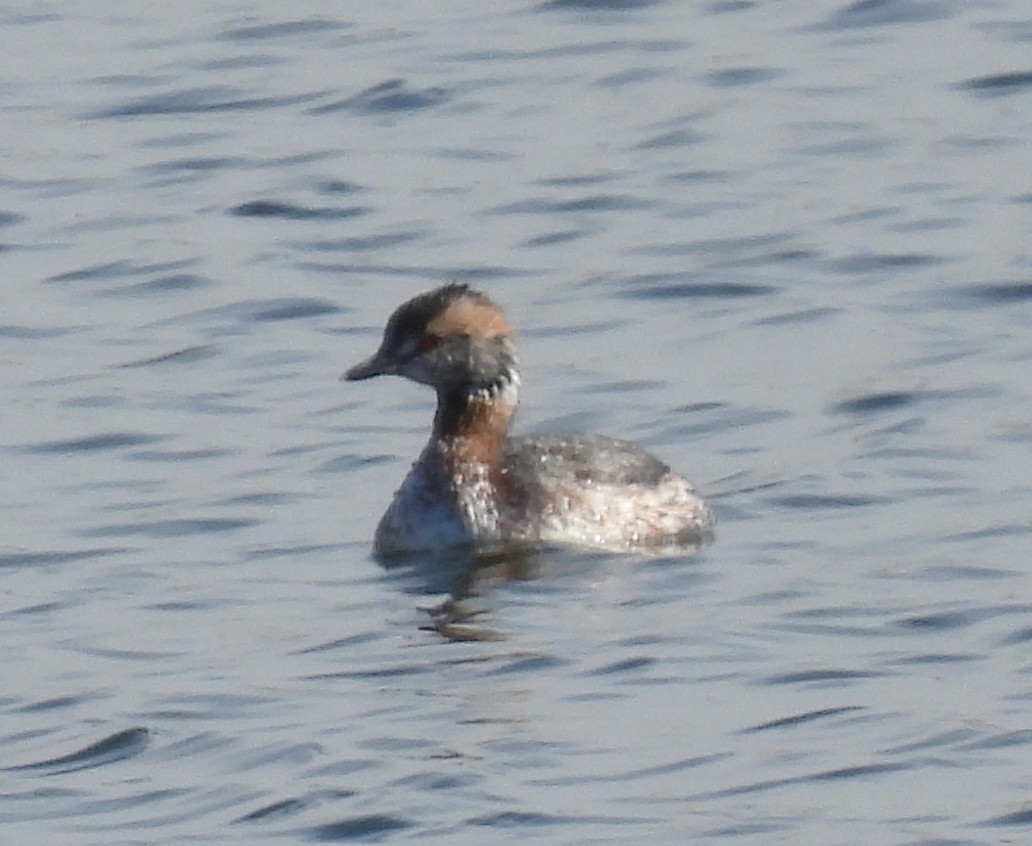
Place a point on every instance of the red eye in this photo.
(429, 341)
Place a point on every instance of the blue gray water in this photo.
(786, 246)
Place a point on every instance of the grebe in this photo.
(476, 485)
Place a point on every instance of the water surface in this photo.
(785, 246)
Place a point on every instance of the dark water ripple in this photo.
(735, 77)
(52, 704)
(595, 202)
(185, 356)
(1002, 84)
(364, 827)
(838, 774)
(875, 403)
(253, 313)
(29, 333)
(289, 807)
(171, 528)
(116, 747)
(43, 559)
(284, 29)
(877, 13)
(598, 5)
(996, 293)
(822, 677)
(288, 211)
(1021, 818)
(172, 284)
(643, 289)
(877, 263)
(809, 502)
(802, 719)
(393, 96)
(686, 136)
(367, 243)
(193, 101)
(554, 238)
(810, 315)
(119, 270)
(94, 443)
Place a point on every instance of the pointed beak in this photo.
(375, 365)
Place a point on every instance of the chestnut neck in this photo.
(474, 422)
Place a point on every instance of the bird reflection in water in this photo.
(462, 575)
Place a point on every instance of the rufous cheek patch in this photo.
(466, 316)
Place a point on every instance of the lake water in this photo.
(786, 246)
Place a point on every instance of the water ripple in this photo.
(172, 284)
(590, 203)
(821, 677)
(117, 747)
(44, 559)
(31, 333)
(737, 77)
(365, 827)
(1015, 818)
(820, 501)
(1001, 84)
(836, 774)
(694, 290)
(189, 101)
(94, 443)
(120, 269)
(283, 29)
(186, 355)
(292, 807)
(802, 719)
(367, 243)
(598, 5)
(260, 311)
(874, 13)
(876, 262)
(393, 96)
(997, 293)
(171, 528)
(290, 211)
(876, 402)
